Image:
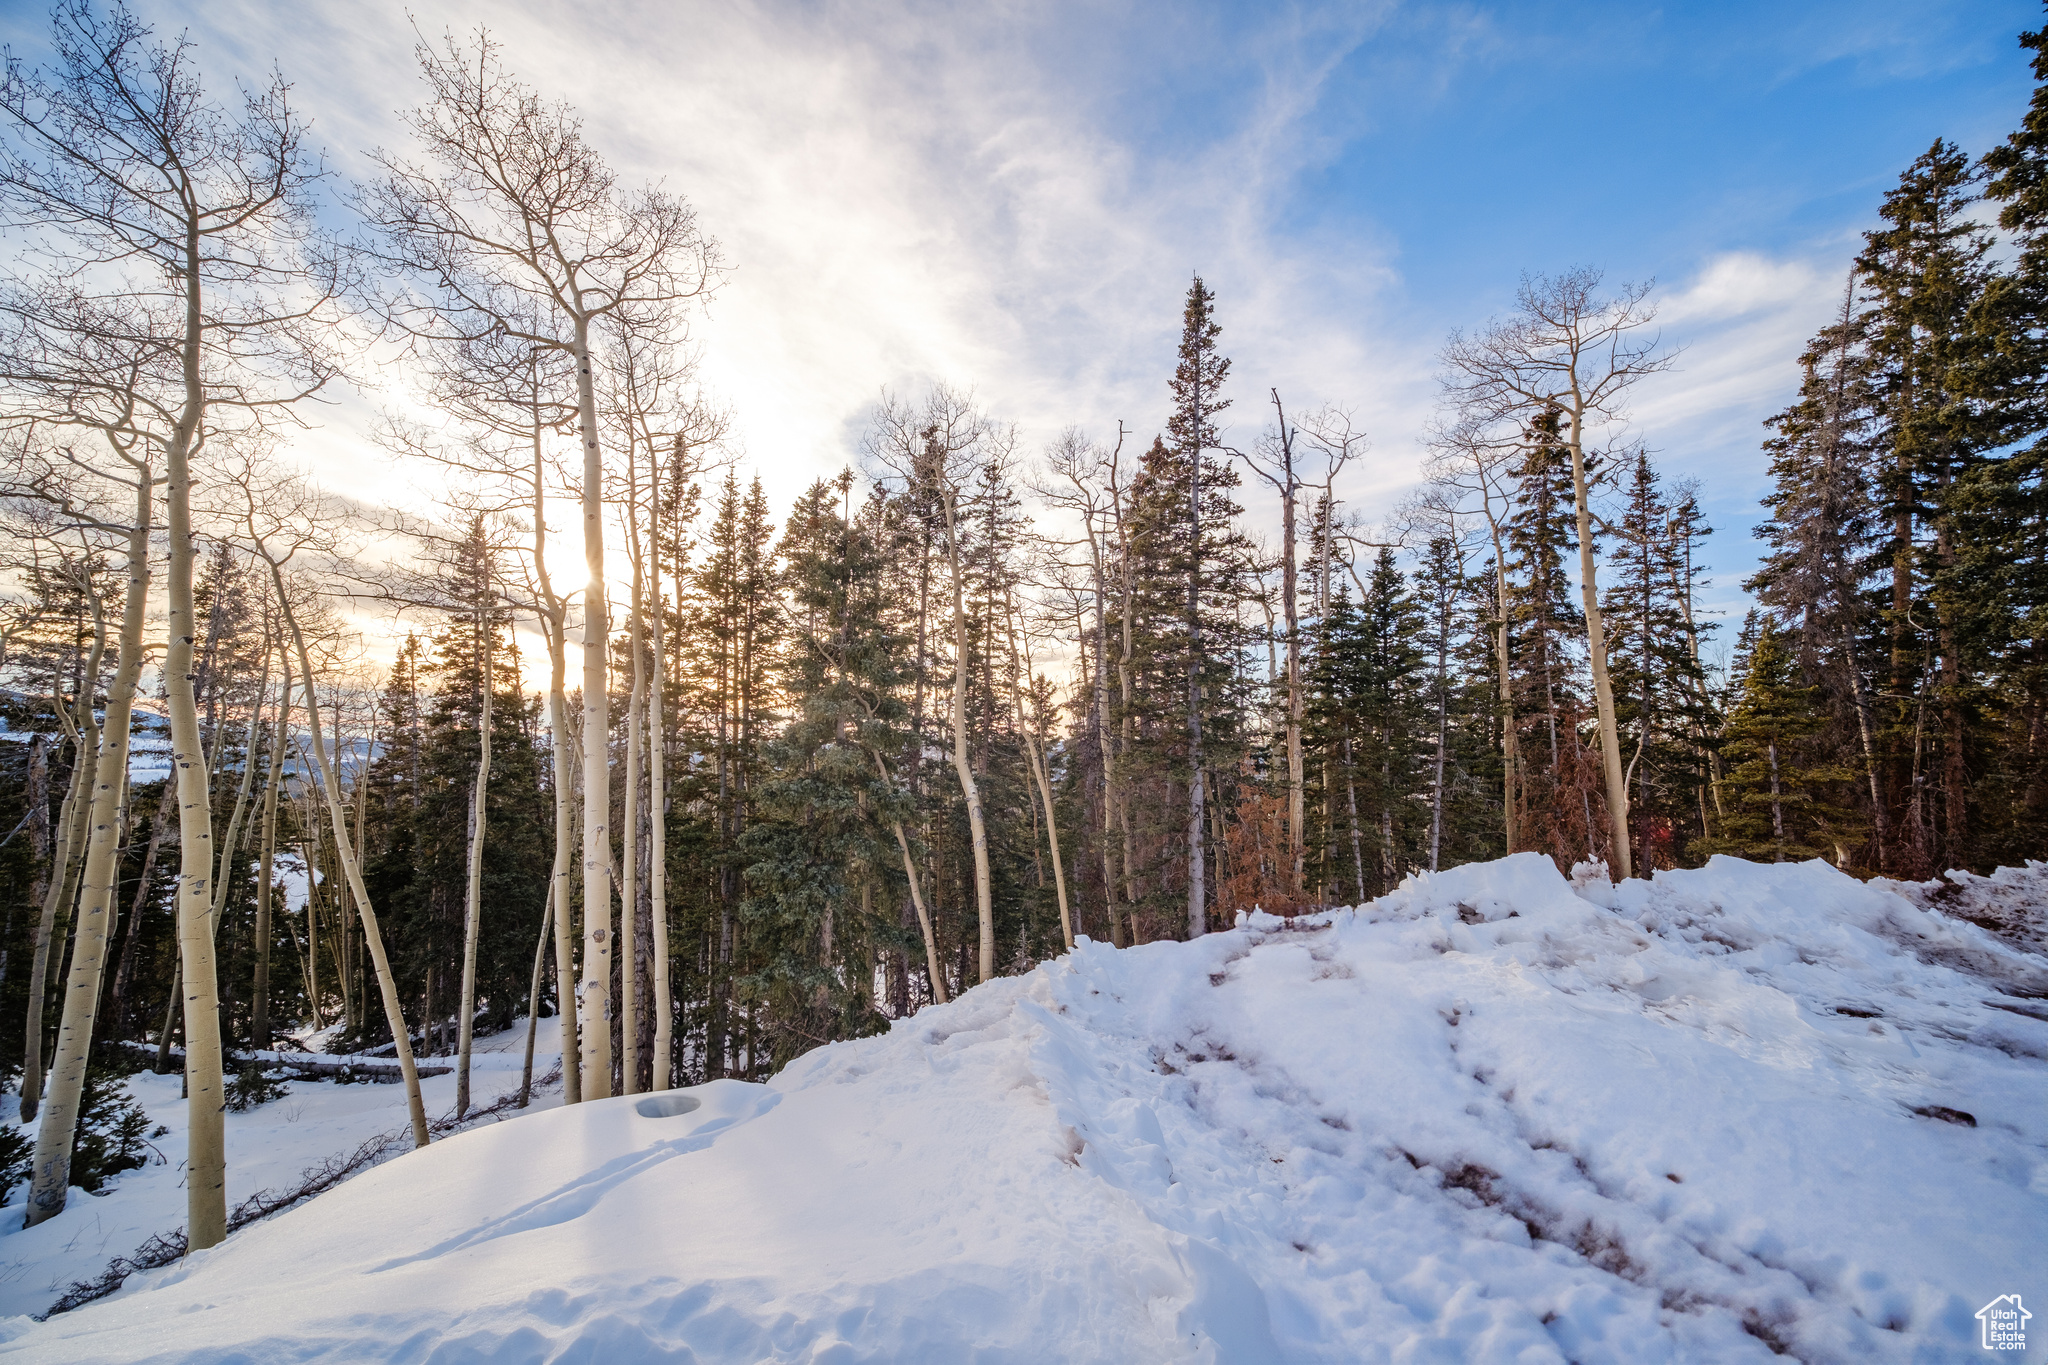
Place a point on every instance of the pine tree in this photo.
(2001, 507)
(1924, 273)
(1197, 384)
(1558, 780)
(1777, 794)
(819, 848)
(1659, 687)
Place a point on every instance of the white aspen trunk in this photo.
(1297, 811)
(567, 996)
(206, 1210)
(1596, 649)
(597, 892)
(1104, 742)
(50, 1172)
(1510, 736)
(983, 890)
(222, 872)
(1036, 753)
(394, 1013)
(657, 821)
(472, 919)
(540, 951)
(66, 864)
(259, 1032)
(924, 918)
(629, 900)
(306, 847)
(554, 629)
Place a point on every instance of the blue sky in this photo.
(1011, 197)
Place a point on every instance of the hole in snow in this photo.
(666, 1106)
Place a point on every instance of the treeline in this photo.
(961, 704)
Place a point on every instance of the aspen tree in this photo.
(472, 918)
(1467, 458)
(344, 851)
(49, 1177)
(278, 510)
(1031, 729)
(657, 784)
(516, 221)
(259, 1024)
(1567, 349)
(1087, 468)
(74, 818)
(963, 768)
(200, 214)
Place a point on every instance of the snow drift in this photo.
(1494, 1116)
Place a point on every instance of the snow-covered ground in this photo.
(1494, 1116)
(267, 1149)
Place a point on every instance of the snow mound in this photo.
(1495, 1116)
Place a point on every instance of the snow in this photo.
(1493, 1116)
(267, 1149)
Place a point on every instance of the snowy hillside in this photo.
(1732, 1113)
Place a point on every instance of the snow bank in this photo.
(1725, 1114)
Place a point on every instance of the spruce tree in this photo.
(1924, 273)
(1778, 793)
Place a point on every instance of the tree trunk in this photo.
(1596, 649)
(1040, 776)
(1297, 811)
(72, 820)
(50, 1173)
(983, 890)
(629, 900)
(472, 917)
(373, 938)
(597, 891)
(259, 1022)
(224, 871)
(657, 828)
(540, 950)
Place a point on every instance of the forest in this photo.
(741, 781)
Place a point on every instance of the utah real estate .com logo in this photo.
(2005, 1323)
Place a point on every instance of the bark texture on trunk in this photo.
(373, 938)
(1596, 649)
(259, 1027)
(962, 765)
(472, 917)
(595, 991)
(50, 1169)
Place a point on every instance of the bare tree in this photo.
(933, 448)
(1469, 460)
(279, 521)
(1279, 462)
(511, 220)
(508, 397)
(99, 791)
(198, 214)
(1566, 348)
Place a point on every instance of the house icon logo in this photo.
(2005, 1323)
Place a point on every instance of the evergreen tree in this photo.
(1777, 793)
(1924, 273)
(1659, 687)
(819, 847)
